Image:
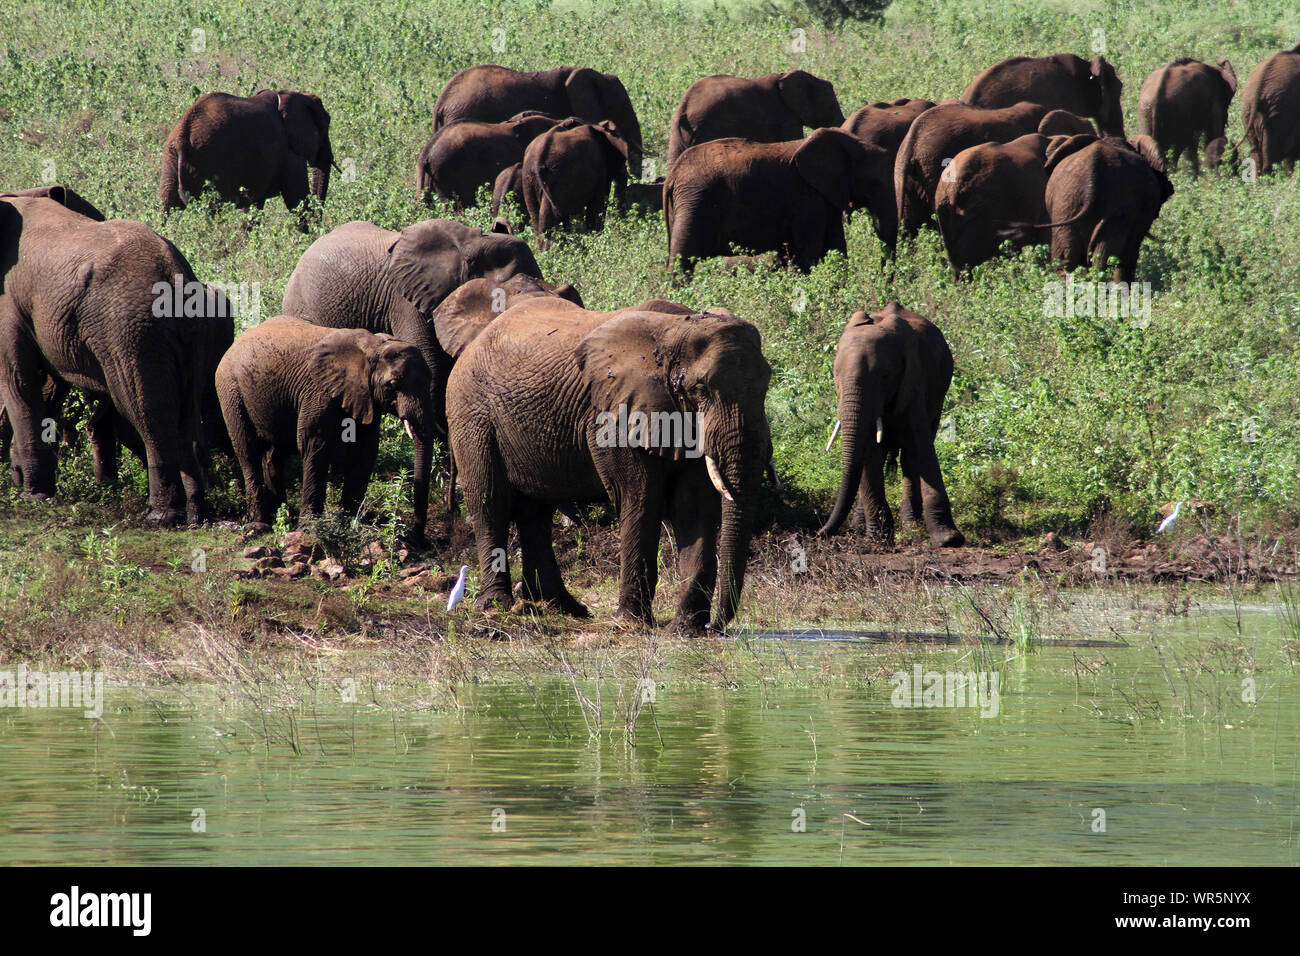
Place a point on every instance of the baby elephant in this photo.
(288, 385)
(892, 373)
(567, 172)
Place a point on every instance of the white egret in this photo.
(1169, 522)
(458, 589)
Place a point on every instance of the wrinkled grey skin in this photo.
(287, 385)
(363, 276)
(892, 367)
(1270, 110)
(1064, 81)
(525, 403)
(768, 109)
(491, 94)
(79, 307)
(1184, 104)
(249, 148)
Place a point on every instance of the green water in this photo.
(708, 774)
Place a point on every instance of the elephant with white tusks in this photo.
(892, 373)
(659, 412)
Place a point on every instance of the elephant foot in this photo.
(38, 495)
(256, 527)
(165, 518)
(688, 627)
(568, 604)
(493, 599)
(948, 539)
(416, 539)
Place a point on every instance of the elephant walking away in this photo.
(769, 109)
(1064, 81)
(250, 148)
(1184, 104)
(567, 174)
(1270, 110)
(660, 413)
(789, 198)
(491, 94)
(82, 303)
(892, 372)
(1102, 197)
(885, 124)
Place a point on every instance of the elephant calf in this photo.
(892, 373)
(567, 172)
(286, 385)
(885, 124)
(466, 155)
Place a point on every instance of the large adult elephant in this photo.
(1102, 197)
(660, 413)
(491, 94)
(90, 304)
(1185, 103)
(1270, 110)
(892, 372)
(250, 148)
(768, 109)
(363, 276)
(885, 124)
(286, 385)
(65, 196)
(784, 197)
(987, 187)
(1065, 81)
(939, 134)
(465, 156)
(567, 173)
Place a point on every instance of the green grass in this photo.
(1054, 422)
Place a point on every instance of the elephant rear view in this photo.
(892, 372)
(1270, 111)
(660, 413)
(567, 173)
(1102, 197)
(492, 94)
(885, 124)
(92, 305)
(1184, 103)
(789, 198)
(939, 134)
(1064, 81)
(249, 148)
(768, 109)
(286, 385)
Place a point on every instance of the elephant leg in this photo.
(695, 514)
(877, 517)
(315, 475)
(360, 466)
(911, 511)
(541, 572)
(32, 460)
(921, 466)
(1068, 245)
(638, 499)
(488, 503)
(103, 441)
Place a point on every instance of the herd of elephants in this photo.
(456, 332)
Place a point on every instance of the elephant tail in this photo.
(1024, 232)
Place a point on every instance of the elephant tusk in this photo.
(834, 431)
(409, 430)
(880, 431)
(715, 476)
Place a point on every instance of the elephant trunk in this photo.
(739, 455)
(418, 417)
(852, 457)
(320, 170)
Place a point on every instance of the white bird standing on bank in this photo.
(458, 589)
(1169, 522)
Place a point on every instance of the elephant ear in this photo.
(11, 229)
(1146, 147)
(1229, 75)
(1062, 147)
(341, 364)
(586, 94)
(625, 363)
(305, 123)
(825, 162)
(617, 144)
(426, 263)
(795, 88)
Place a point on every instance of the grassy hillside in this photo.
(1052, 421)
